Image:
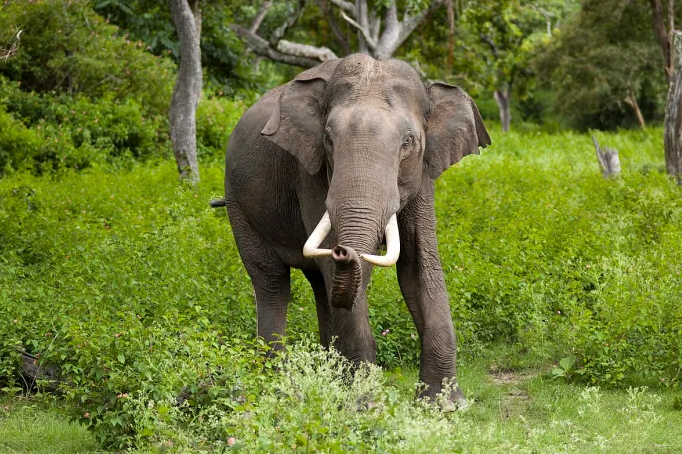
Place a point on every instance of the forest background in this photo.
(127, 291)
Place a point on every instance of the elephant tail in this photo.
(217, 203)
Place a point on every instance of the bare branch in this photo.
(321, 53)
(12, 45)
(264, 7)
(365, 33)
(263, 48)
(395, 33)
(343, 42)
(345, 6)
(493, 48)
(288, 23)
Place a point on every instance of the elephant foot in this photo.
(456, 401)
(449, 398)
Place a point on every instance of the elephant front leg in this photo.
(422, 283)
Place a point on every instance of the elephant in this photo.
(322, 171)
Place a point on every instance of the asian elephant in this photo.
(324, 169)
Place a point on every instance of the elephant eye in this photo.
(328, 143)
(408, 141)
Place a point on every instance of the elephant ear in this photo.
(454, 128)
(297, 121)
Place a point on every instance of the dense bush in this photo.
(45, 132)
(67, 48)
(79, 94)
(49, 131)
(134, 287)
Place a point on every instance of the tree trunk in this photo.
(183, 128)
(503, 99)
(673, 115)
(451, 34)
(608, 159)
(361, 11)
(632, 102)
(663, 36)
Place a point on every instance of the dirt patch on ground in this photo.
(499, 377)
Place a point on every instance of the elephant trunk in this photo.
(362, 200)
(347, 277)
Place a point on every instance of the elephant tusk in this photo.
(310, 249)
(392, 246)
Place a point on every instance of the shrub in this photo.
(216, 118)
(47, 131)
(67, 48)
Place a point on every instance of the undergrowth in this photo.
(134, 288)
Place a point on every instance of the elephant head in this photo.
(375, 130)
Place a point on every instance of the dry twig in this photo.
(12, 45)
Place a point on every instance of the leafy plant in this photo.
(565, 369)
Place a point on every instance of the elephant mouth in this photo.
(347, 278)
(311, 249)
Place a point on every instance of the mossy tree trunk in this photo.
(673, 114)
(183, 128)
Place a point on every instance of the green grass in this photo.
(29, 426)
(133, 286)
(523, 411)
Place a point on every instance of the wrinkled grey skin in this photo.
(363, 139)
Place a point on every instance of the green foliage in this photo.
(222, 53)
(216, 117)
(76, 94)
(565, 367)
(31, 426)
(135, 289)
(48, 132)
(77, 289)
(603, 54)
(67, 48)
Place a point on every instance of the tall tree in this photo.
(380, 29)
(663, 29)
(603, 66)
(504, 32)
(183, 126)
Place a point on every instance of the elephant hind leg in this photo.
(320, 290)
(269, 275)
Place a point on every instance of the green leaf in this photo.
(567, 362)
(556, 372)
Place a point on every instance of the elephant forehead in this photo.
(364, 119)
(358, 66)
(391, 82)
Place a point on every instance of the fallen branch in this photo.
(263, 48)
(32, 371)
